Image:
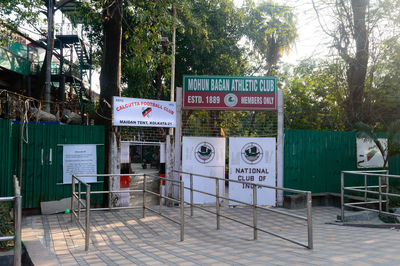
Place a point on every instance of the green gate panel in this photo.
(42, 172)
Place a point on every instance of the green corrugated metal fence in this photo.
(314, 160)
(42, 171)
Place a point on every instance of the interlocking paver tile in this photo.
(125, 238)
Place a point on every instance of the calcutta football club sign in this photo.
(203, 156)
(229, 93)
(143, 113)
(252, 160)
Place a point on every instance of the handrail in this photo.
(17, 199)
(382, 187)
(88, 192)
(308, 218)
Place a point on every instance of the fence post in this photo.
(217, 202)
(342, 196)
(109, 192)
(160, 187)
(387, 191)
(309, 220)
(87, 231)
(191, 194)
(72, 199)
(365, 187)
(182, 219)
(79, 200)
(255, 212)
(17, 223)
(144, 195)
(380, 194)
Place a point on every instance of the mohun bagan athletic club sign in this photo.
(143, 113)
(229, 93)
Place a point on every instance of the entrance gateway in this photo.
(246, 110)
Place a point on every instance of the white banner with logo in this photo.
(204, 156)
(368, 154)
(252, 160)
(143, 113)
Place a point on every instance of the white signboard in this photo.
(252, 160)
(204, 156)
(368, 154)
(79, 159)
(143, 113)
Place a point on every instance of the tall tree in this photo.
(271, 29)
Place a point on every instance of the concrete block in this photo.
(57, 206)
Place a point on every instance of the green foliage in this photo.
(6, 228)
(313, 94)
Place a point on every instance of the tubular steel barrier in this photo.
(380, 190)
(254, 225)
(17, 199)
(88, 209)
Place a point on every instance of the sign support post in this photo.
(280, 149)
(178, 133)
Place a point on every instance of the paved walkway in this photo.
(123, 238)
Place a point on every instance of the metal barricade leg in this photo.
(87, 231)
(309, 220)
(109, 193)
(79, 200)
(191, 195)
(72, 199)
(255, 233)
(182, 218)
(144, 196)
(160, 187)
(217, 202)
(342, 196)
(17, 228)
(380, 194)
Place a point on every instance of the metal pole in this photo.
(49, 53)
(87, 231)
(380, 194)
(109, 193)
(72, 199)
(79, 200)
(366, 187)
(144, 195)
(217, 202)
(182, 219)
(255, 212)
(342, 196)
(191, 194)
(280, 148)
(387, 191)
(161, 181)
(178, 132)
(17, 224)
(309, 220)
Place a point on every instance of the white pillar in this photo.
(178, 132)
(280, 149)
(115, 163)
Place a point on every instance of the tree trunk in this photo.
(110, 75)
(357, 71)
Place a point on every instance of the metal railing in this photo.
(254, 205)
(381, 190)
(17, 199)
(74, 214)
(110, 192)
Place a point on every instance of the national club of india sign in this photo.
(225, 92)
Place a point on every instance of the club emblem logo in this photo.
(230, 100)
(146, 112)
(252, 153)
(204, 152)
